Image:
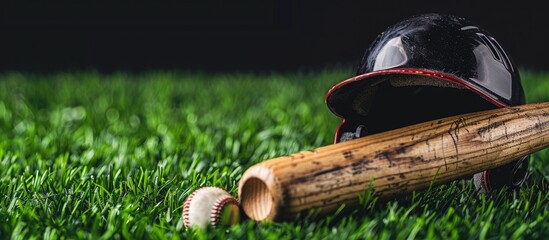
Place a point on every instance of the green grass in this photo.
(85, 155)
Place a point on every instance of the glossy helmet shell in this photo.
(427, 67)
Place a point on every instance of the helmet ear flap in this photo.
(510, 176)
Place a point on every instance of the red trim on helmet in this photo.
(412, 71)
(336, 140)
(442, 76)
(486, 176)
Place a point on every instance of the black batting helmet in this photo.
(427, 67)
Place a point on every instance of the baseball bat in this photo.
(392, 162)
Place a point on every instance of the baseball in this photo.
(210, 206)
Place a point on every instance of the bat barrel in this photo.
(392, 162)
(259, 198)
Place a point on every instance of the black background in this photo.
(223, 35)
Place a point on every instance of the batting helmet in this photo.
(427, 67)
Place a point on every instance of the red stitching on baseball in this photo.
(186, 207)
(216, 211)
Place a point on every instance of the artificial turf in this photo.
(88, 155)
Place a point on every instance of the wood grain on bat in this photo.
(392, 162)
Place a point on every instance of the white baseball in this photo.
(210, 205)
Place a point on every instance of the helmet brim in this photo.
(341, 94)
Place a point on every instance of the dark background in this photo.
(227, 35)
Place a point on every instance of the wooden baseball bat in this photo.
(392, 162)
